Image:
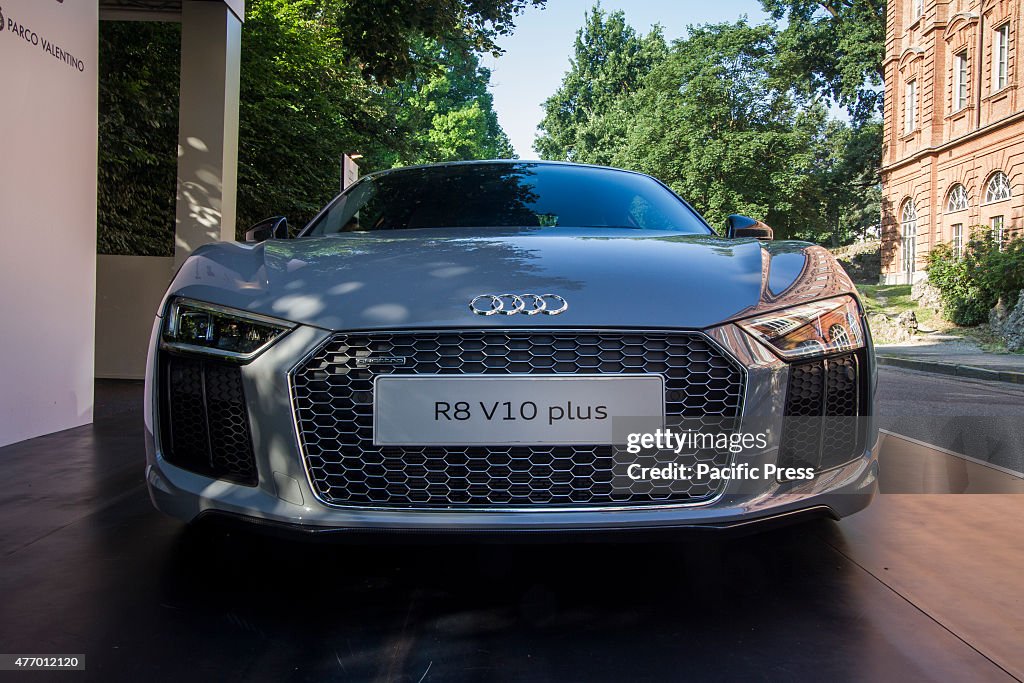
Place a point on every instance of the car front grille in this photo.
(824, 402)
(333, 403)
(204, 422)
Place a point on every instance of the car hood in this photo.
(426, 278)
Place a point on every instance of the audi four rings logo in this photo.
(510, 304)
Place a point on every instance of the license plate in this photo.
(489, 410)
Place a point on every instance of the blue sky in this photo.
(537, 55)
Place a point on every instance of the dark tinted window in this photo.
(507, 195)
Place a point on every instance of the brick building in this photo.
(953, 154)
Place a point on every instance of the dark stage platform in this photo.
(921, 586)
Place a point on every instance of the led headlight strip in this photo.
(212, 330)
(813, 329)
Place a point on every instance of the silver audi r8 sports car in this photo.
(510, 346)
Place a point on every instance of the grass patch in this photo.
(889, 299)
(933, 322)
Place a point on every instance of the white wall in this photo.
(47, 215)
(128, 291)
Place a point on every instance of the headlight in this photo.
(215, 330)
(810, 329)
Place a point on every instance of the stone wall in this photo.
(861, 261)
(1008, 323)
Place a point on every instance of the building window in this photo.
(910, 107)
(918, 9)
(908, 220)
(1001, 57)
(958, 240)
(998, 188)
(960, 81)
(997, 230)
(957, 200)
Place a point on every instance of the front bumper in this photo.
(283, 496)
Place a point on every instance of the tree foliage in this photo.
(301, 108)
(381, 37)
(138, 133)
(714, 124)
(849, 176)
(835, 48)
(447, 112)
(307, 97)
(585, 120)
(721, 119)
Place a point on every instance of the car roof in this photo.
(509, 162)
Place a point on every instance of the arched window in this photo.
(908, 222)
(998, 188)
(957, 199)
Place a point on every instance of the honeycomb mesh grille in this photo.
(821, 428)
(333, 402)
(207, 422)
(804, 408)
(839, 431)
(189, 441)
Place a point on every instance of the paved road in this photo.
(917, 587)
(983, 420)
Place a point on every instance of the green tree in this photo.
(410, 89)
(301, 108)
(835, 48)
(848, 176)
(586, 119)
(723, 119)
(717, 124)
(381, 37)
(448, 112)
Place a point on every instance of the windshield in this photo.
(507, 195)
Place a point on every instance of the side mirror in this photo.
(273, 228)
(743, 226)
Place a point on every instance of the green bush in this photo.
(138, 137)
(1002, 274)
(972, 284)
